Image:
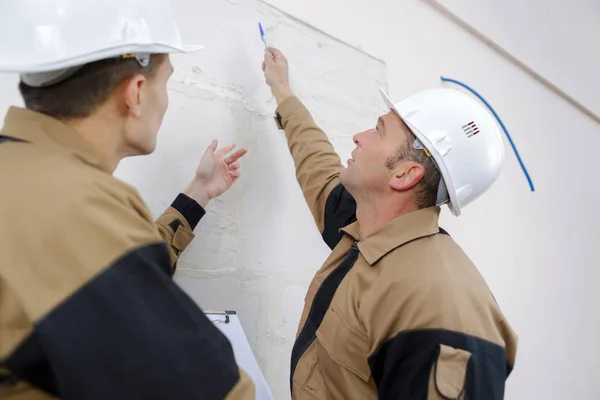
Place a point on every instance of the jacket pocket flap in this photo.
(451, 371)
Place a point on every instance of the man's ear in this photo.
(133, 95)
(407, 176)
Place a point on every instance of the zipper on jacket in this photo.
(319, 307)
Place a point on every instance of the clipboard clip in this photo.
(226, 313)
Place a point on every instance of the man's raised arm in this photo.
(317, 164)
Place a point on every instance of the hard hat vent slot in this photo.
(470, 129)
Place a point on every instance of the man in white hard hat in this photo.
(397, 311)
(88, 309)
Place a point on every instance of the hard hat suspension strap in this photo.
(142, 58)
(442, 194)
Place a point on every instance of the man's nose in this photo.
(357, 138)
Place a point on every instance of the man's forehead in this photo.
(393, 122)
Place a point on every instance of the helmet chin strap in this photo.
(43, 79)
(442, 194)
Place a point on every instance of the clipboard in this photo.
(229, 324)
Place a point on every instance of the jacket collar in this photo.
(395, 233)
(33, 127)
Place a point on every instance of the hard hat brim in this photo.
(50, 65)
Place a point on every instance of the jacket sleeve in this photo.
(424, 345)
(109, 322)
(317, 170)
(176, 226)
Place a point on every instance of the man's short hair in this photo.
(427, 189)
(81, 94)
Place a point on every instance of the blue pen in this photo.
(262, 36)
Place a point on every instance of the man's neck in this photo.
(100, 134)
(372, 215)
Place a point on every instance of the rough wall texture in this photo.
(257, 248)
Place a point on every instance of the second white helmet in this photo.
(57, 35)
(461, 136)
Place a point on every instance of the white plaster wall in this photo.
(258, 247)
(536, 250)
(559, 39)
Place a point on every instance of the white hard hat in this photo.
(45, 40)
(461, 136)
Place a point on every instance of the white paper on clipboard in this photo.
(229, 323)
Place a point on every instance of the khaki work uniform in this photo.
(88, 309)
(401, 314)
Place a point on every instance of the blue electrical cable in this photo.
(501, 124)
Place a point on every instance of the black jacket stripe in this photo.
(401, 367)
(340, 211)
(319, 307)
(130, 333)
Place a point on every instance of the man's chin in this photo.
(142, 149)
(138, 153)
